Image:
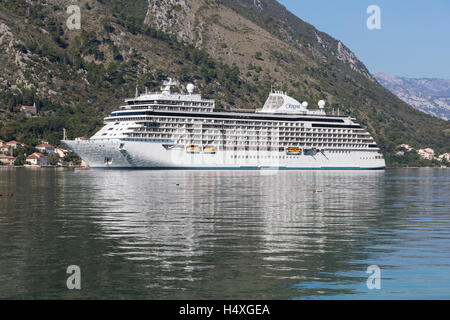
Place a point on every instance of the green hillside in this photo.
(230, 51)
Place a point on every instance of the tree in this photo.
(20, 160)
(53, 159)
(27, 150)
(72, 158)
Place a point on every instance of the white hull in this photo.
(117, 153)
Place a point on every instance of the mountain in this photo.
(232, 50)
(429, 95)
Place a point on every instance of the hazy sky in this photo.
(414, 39)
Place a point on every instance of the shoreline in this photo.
(45, 167)
(88, 168)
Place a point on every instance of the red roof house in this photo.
(45, 147)
(15, 144)
(29, 109)
(37, 159)
(6, 148)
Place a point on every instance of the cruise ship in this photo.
(168, 130)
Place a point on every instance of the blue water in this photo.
(225, 234)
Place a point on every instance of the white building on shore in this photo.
(426, 153)
(45, 147)
(37, 159)
(445, 156)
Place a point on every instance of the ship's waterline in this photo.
(167, 130)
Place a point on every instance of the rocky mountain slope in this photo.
(233, 50)
(429, 95)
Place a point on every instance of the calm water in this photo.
(225, 234)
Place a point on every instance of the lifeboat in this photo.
(210, 150)
(293, 150)
(193, 149)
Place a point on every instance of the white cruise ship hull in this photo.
(128, 154)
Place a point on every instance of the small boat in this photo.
(293, 150)
(210, 150)
(193, 149)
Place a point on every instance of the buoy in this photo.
(1, 195)
(315, 190)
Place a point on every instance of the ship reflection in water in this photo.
(225, 234)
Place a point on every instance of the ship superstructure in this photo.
(166, 130)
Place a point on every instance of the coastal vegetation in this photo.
(76, 77)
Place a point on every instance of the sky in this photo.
(413, 41)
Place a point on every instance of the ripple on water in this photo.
(226, 234)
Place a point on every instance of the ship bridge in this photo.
(167, 100)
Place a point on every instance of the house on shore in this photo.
(445, 156)
(6, 149)
(15, 144)
(61, 152)
(29, 110)
(7, 160)
(37, 159)
(45, 147)
(404, 147)
(426, 153)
